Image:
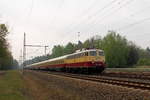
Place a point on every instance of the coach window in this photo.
(92, 53)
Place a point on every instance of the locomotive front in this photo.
(97, 59)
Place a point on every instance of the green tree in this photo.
(86, 44)
(148, 49)
(94, 42)
(116, 51)
(144, 56)
(69, 48)
(144, 61)
(57, 51)
(97, 42)
(144, 53)
(79, 46)
(133, 54)
(6, 59)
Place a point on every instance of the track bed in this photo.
(57, 87)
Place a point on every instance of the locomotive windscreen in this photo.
(101, 53)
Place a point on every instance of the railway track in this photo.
(125, 82)
(133, 75)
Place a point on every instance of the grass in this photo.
(11, 86)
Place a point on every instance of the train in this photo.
(89, 60)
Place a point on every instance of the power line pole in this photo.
(24, 51)
(78, 37)
(45, 49)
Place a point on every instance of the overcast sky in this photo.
(51, 22)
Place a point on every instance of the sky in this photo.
(53, 22)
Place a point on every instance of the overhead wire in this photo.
(133, 14)
(88, 9)
(142, 10)
(99, 11)
(72, 26)
(102, 9)
(133, 24)
(121, 5)
(113, 12)
(94, 14)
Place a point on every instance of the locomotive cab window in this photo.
(101, 53)
(93, 53)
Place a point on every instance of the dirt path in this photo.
(42, 86)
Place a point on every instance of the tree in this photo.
(144, 53)
(69, 48)
(6, 59)
(3, 32)
(79, 46)
(86, 44)
(148, 49)
(57, 51)
(116, 51)
(94, 42)
(133, 55)
(97, 42)
(15, 64)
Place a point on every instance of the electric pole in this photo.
(78, 36)
(45, 49)
(24, 51)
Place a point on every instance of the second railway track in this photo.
(124, 82)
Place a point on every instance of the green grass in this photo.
(11, 86)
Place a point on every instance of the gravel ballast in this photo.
(44, 86)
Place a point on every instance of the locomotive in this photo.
(92, 60)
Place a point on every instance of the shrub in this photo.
(144, 61)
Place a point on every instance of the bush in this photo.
(144, 61)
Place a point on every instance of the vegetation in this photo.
(144, 57)
(115, 48)
(6, 59)
(11, 86)
(119, 52)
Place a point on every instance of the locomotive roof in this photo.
(62, 57)
(84, 51)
